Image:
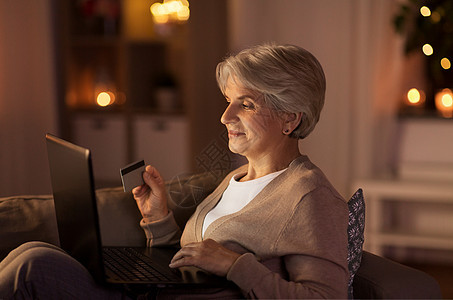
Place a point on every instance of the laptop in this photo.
(79, 232)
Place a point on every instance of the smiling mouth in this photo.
(233, 133)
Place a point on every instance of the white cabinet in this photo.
(106, 136)
(426, 149)
(408, 214)
(162, 141)
(116, 140)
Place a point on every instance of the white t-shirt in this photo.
(237, 195)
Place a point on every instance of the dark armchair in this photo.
(375, 277)
(381, 278)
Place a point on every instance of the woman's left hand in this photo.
(207, 255)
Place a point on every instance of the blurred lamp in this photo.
(170, 11)
(105, 98)
(415, 97)
(444, 103)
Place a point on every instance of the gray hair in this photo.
(289, 77)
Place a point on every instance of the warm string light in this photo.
(427, 49)
(425, 11)
(445, 63)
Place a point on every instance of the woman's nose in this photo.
(229, 115)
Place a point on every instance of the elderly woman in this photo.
(275, 227)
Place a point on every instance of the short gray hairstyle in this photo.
(289, 77)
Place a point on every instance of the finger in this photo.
(188, 251)
(182, 262)
(140, 190)
(179, 255)
(153, 179)
(180, 259)
(153, 173)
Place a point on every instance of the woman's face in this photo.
(254, 130)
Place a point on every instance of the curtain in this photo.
(27, 95)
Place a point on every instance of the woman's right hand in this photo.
(151, 197)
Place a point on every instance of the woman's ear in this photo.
(291, 122)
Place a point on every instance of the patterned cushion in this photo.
(356, 226)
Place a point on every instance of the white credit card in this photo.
(132, 175)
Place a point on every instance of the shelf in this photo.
(109, 110)
(127, 60)
(95, 41)
(413, 240)
(406, 213)
(421, 114)
(408, 190)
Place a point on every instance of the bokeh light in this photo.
(445, 63)
(425, 11)
(427, 49)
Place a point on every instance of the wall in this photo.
(352, 39)
(27, 95)
(206, 46)
(355, 43)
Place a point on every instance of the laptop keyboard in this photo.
(131, 265)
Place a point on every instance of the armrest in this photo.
(26, 218)
(381, 278)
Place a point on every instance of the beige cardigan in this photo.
(293, 236)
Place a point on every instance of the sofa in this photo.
(26, 218)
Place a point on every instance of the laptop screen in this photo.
(75, 203)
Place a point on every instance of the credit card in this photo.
(132, 175)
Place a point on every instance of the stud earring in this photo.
(286, 131)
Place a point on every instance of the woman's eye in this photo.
(246, 105)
